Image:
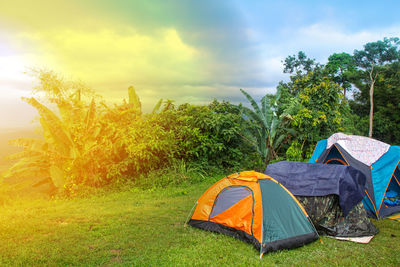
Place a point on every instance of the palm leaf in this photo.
(52, 123)
(55, 140)
(279, 140)
(273, 128)
(252, 115)
(258, 118)
(277, 95)
(134, 100)
(90, 115)
(252, 102)
(30, 143)
(66, 109)
(57, 176)
(26, 167)
(25, 154)
(157, 106)
(264, 105)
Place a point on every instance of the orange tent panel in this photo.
(239, 216)
(206, 202)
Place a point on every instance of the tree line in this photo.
(88, 142)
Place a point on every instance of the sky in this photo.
(188, 51)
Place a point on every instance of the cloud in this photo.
(111, 59)
(113, 54)
(171, 52)
(323, 39)
(159, 65)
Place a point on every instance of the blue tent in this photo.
(378, 161)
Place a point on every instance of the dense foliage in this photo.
(87, 142)
(208, 135)
(371, 62)
(83, 141)
(378, 87)
(315, 104)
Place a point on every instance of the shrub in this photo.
(294, 152)
(83, 142)
(87, 143)
(209, 135)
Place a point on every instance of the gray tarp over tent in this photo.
(331, 195)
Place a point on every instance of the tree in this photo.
(319, 112)
(314, 100)
(386, 105)
(299, 64)
(371, 61)
(341, 67)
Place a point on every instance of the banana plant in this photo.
(56, 157)
(267, 130)
(80, 142)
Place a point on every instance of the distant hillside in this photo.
(6, 148)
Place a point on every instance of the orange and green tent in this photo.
(255, 208)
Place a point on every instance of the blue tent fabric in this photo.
(382, 171)
(321, 146)
(306, 179)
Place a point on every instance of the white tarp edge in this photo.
(363, 240)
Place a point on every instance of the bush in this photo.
(294, 152)
(83, 141)
(87, 143)
(209, 135)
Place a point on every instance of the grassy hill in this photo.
(146, 228)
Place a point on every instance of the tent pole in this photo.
(190, 213)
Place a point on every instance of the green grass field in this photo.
(146, 228)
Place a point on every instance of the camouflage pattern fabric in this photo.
(328, 219)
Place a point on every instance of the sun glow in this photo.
(108, 59)
(14, 84)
